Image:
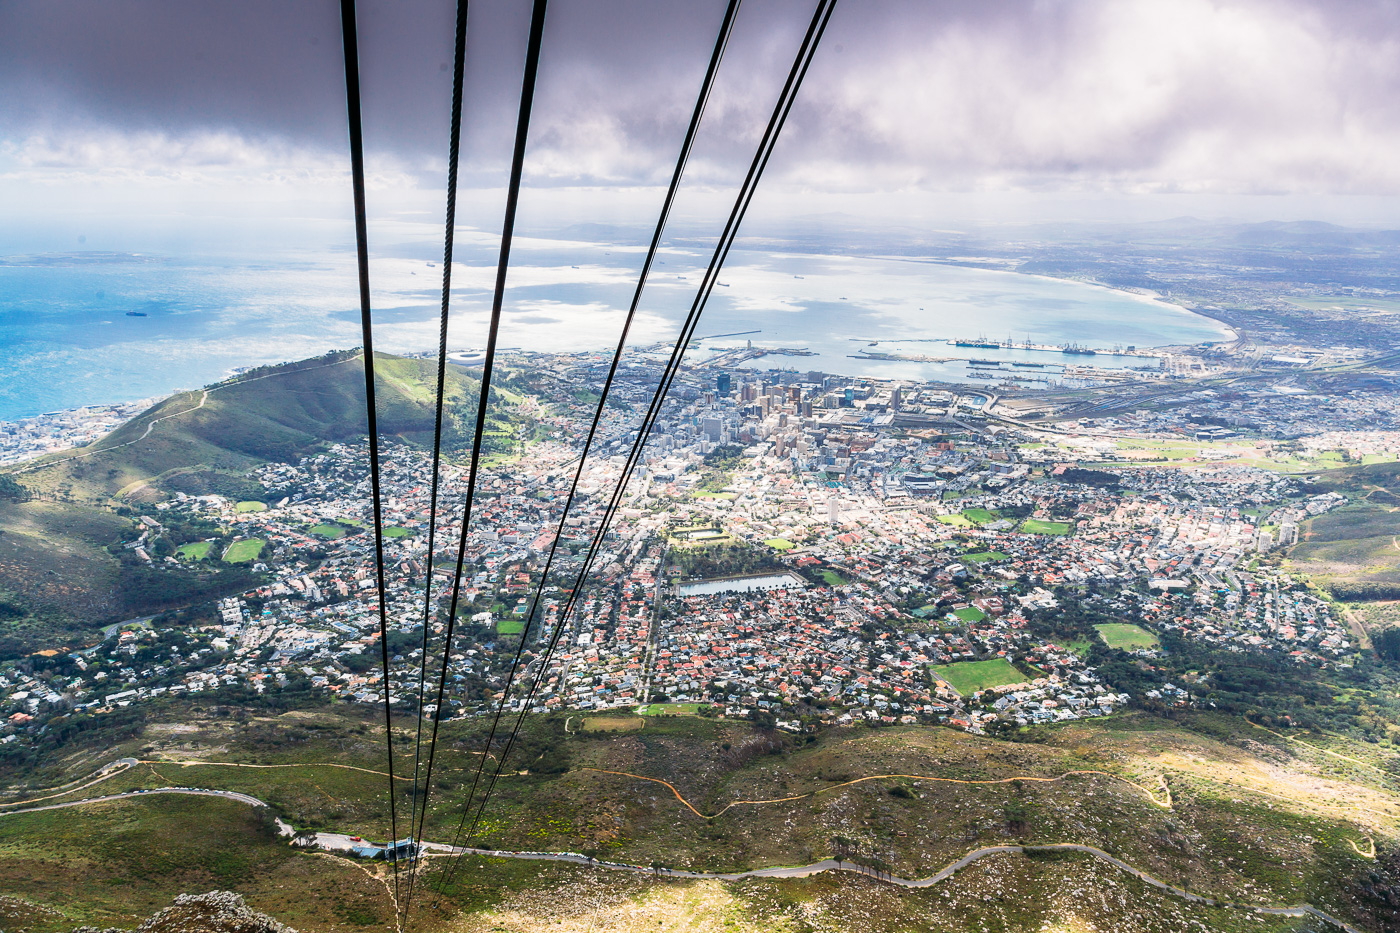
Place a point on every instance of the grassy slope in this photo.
(1224, 835)
(52, 557)
(51, 548)
(281, 414)
(1355, 543)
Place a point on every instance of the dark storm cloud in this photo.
(1194, 95)
(274, 68)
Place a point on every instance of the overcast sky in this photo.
(126, 111)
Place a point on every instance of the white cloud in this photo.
(1102, 98)
(1122, 96)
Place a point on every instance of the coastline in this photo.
(1146, 296)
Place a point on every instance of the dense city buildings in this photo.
(805, 547)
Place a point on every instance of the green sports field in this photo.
(1036, 526)
(970, 676)
(241, 552)
(329, 532)
(1126, 636)
(969, 614)
(781, 544)
(195, 550)
(250, 506)
(672, 709)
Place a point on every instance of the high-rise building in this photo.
(723, 383)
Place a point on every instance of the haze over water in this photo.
(67, 340)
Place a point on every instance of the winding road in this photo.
(150, 426)
(102, 774)
(340, 841)
(126, 795)
(1147, 792)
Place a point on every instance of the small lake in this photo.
(771, 581)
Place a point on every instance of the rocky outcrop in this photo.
(215, 912)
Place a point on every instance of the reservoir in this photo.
(771, 581)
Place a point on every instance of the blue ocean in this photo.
(88, 327)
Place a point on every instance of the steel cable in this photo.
(350, 43)
(527, 94)
(721, 42)
(453, 158)
(815, 30)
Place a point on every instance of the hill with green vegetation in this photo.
(1200, 801)
(63, 516)
(203, 441)
(1352, 550)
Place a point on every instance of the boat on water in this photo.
(983, 376)
(1027, 365)
(980, 342)
(1075, 349)
(136, 314)
(984, 362)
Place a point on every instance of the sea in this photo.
(85, 328)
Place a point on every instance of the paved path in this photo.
(804, 871)
(150, 426)
(190, 791)
(341, 842)
(107, 771)
(109, 630)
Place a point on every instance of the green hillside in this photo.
(57, 576)
(278, 413)
(1352, 550)
(1204, 802)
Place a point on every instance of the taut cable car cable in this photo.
(806, 52)
(350, 43)
(453, 157)
(721, 42)
(527, 94)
